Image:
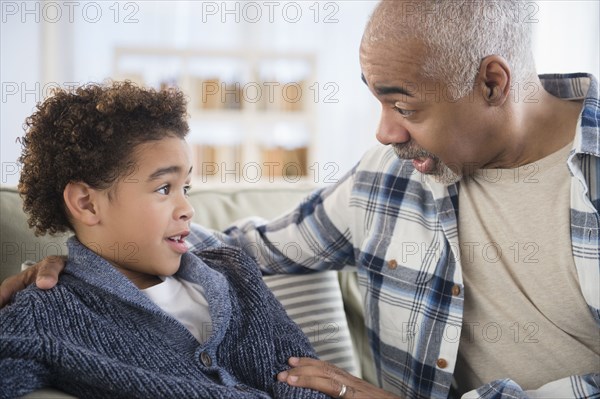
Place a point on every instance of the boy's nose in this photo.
(186, 210)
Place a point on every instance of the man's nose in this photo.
(390, 130)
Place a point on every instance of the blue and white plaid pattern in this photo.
(399, 229)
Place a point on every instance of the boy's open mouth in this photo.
(175, 238)
(177, 242)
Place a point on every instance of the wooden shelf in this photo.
(231, 102)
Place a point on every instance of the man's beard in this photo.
(443, 173)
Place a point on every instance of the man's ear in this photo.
(82, 202)
(495, 79)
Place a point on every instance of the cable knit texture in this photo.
(96, 335)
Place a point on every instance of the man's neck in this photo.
(540, 126)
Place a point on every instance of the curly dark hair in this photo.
(89, 135)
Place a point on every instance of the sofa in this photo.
(327, 305)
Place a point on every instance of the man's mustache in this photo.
(411, 151)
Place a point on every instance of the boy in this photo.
(135, 314)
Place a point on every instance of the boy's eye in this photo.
(186, 189)
(164, 189)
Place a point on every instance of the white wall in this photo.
(567, 36)
(20, 57)
(61, 43)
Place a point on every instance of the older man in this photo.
(475, 230)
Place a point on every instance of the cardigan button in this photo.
(205, 359)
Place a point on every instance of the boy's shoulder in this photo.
(57, 311)
(70, 292)
(34, 307)
(223, 266)
(33, 293)
(229, 260)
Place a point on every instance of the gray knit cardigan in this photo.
(96, 335)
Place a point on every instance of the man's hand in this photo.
(44, 274)
(329, 379)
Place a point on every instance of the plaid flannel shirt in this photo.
(398, 228)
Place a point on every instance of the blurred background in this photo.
(274, 87)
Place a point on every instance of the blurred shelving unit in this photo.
(253, 115)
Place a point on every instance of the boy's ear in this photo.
(82, 202)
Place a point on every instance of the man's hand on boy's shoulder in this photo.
(44, 274)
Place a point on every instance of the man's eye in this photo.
(164, 190)
(402, 111)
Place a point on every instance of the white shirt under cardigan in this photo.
(185, 302)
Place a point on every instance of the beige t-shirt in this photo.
(524, 317)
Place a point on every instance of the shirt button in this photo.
(442, 363)
(455, 290)
(392, 264)
(205, 359)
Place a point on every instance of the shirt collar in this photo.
(578, 86)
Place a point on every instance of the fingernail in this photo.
(282, 376)
(293, 379)
(293, 360)
(45, 282)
